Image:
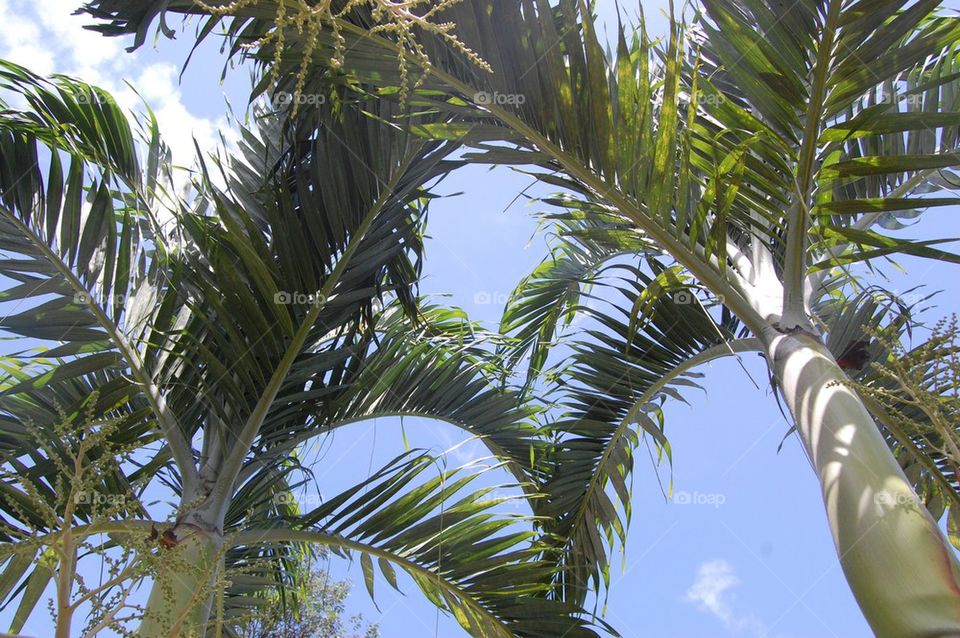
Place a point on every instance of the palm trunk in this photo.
(903, 574)
(65, 576)
(178, 606)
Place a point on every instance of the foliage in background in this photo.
(322, 614)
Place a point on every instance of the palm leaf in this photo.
(470, 561)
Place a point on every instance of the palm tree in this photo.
(220, 330)
(752, 158)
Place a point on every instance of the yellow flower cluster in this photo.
(400, 19)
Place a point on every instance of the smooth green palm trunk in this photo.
(903, 573)
(179, 601)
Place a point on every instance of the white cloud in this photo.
(711, 591)
(47, 38)
(157, 85)
(714, 579)
(23, 42)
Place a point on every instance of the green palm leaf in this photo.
(469, 561)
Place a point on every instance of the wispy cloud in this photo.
(47, 38)
(712, 593)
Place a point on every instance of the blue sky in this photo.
(749, 556)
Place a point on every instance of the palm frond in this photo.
(584, 238)
(620, 372)
(848, 107)
(480, 566)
